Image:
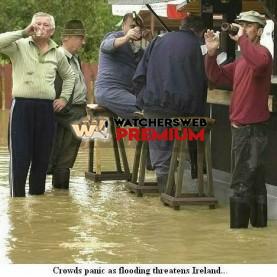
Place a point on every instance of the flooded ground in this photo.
(104, 223)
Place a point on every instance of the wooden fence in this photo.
(89, 70)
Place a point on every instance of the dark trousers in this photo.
(118, 100)
(160, 151)
(30, 140)
(66, 144)
(248, 154)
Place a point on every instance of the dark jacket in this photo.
(171, 76)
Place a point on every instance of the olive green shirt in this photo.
(80, 88)
(34, 73)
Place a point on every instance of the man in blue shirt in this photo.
(120, 52)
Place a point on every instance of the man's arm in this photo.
(8, 40)
(220, 75)
(107, 45)
(112, 42)
(258, 57)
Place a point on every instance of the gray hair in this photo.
(43, 14)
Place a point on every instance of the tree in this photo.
(96, 15)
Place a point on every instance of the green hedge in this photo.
(96, 15)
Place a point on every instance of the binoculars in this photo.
(229, 28)
(138, 20)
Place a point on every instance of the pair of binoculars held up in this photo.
(138, 20)
(229, 28)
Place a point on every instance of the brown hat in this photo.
(74, 27)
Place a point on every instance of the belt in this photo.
(238, 125)
(79, 105)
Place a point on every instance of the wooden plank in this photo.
(2, 90)
(219, 96)
(173, 201)
(107, 175)
(255, 5)
(148, 187)
(209, 167)
(192, 7)
(92, 106)
(136, 162)
(222, 97)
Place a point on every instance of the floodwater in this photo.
(104, 223)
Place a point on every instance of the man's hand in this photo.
(134, 34)
(212, 42)
(59, 104)
(239, 34)
(29, 30)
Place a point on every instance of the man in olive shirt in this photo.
(35, 59)
(66, 145)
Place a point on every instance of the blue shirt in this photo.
(116, 65)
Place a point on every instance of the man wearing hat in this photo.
(250, 77)
(66, 145)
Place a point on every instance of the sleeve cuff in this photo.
(242, 39)
(63, 99)
(24, 34)
(110, 44)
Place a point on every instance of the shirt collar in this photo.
(52, 43)
(67, 53)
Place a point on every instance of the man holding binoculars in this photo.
(120, 52)
(250, 78)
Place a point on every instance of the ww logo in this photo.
(91, 129)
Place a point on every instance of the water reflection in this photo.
(103, 223)
(38, 227)
(4, 119)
